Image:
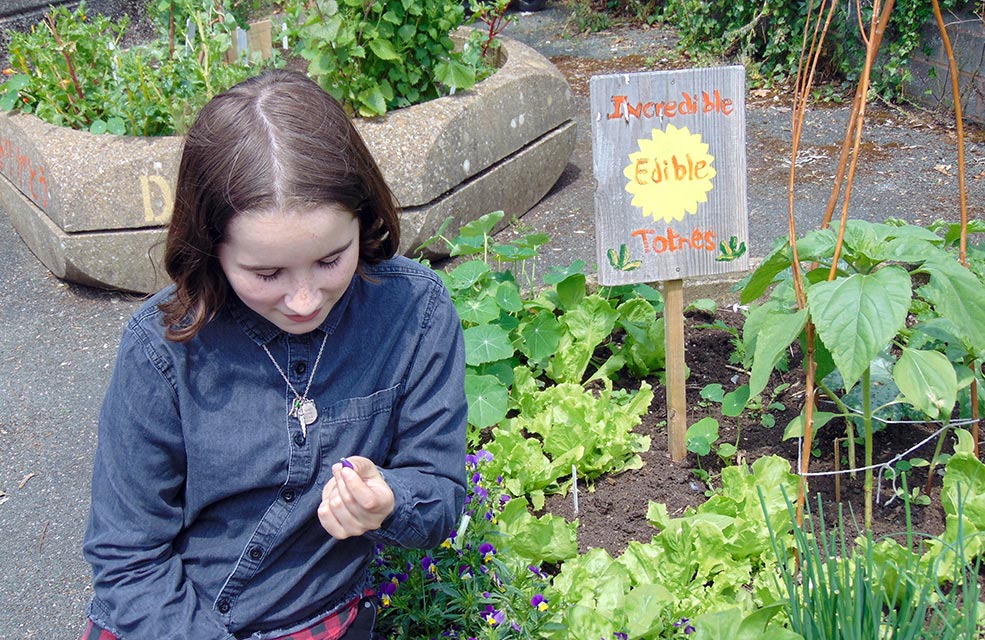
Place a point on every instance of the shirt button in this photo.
(300, 367)
(256, 553)
(288, 495)
(299, 439)
(223, 606)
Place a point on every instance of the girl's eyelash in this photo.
(330, 264)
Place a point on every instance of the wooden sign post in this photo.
(670, 202)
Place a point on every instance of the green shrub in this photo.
(767, 36)
(71, 70)
(376, 56)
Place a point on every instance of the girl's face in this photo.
(291, 267)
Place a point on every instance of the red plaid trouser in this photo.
(331, 627)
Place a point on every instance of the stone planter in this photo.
(94, 209)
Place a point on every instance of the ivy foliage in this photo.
(767, 36)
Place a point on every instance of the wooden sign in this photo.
(670, 165)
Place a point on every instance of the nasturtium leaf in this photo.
(714, 392)
(777, 331)
(468, 273)
(98, 127)
(481, 226)
(556, 274)
(116, 125)
(540, 336)
(511, 253)
(508, 297)
(927, 381)
(476, 309)
(486, 343)
(735, 401)
(571, 291)
(701, 435)
(487, 399)
(704, 305)
(858, 316)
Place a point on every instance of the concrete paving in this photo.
(58, 341)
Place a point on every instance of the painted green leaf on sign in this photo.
(856, 317)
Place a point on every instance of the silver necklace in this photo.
(303, 408)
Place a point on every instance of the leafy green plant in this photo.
(767, 37)
(377, 56)
(72, 70)
(886, 285)
(555, 333)
(868, 589)
(716, 557)
(476, 583)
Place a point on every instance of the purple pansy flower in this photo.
(493, 616)
(487, 551)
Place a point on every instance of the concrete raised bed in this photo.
(94, 209)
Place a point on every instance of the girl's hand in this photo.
(357, 499)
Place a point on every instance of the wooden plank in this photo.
(676, 369)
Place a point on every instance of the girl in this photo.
(295, 398)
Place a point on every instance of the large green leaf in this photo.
(927, 381)
(487, 398)
(486, 343)
(858, 316)
(959, 296)
(468, 273)
(540, 336)
(776, 332)
(591, 321)
(477, 309)
(383, 49)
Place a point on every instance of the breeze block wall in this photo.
(931, 80)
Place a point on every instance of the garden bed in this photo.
(613, 512)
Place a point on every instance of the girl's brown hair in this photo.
(273, 142)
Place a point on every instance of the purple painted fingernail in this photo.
(346, 463)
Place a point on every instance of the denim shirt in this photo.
(203, 521)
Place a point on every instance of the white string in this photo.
(882, 466)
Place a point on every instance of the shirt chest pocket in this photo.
(358, 427)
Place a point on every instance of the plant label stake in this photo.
(670, 201)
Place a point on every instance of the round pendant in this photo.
(308, 411)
